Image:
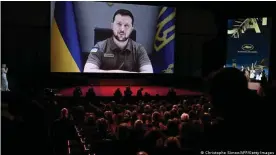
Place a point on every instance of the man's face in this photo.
(122, 27)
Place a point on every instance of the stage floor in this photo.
(109, 90)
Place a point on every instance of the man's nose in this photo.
(122, 28)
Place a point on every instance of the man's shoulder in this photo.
(99, 46)
(102, 43)
(137, 46)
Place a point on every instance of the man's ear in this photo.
(132, 29)
(112, 25)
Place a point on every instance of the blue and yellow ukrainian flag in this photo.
(65, 47)
(164, 44)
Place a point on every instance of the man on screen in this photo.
(119, 54)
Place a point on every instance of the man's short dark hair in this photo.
(124, 12)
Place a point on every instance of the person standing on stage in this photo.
(247, 74)
(139, 92)
(242, 69)
(252, 72)
(5, 84)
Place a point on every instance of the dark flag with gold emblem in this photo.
(164, 44)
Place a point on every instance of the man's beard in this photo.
(120, 40)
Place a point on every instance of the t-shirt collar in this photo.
(113, 46)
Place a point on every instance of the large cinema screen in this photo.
(101, 37)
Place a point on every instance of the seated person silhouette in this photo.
(231, 100)
(90, 93)
(77, 92)
(118, 93)
(139, 92)
(49, 92)
(147, 94)
(62, 130)
(128, 92)
(171, 93)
